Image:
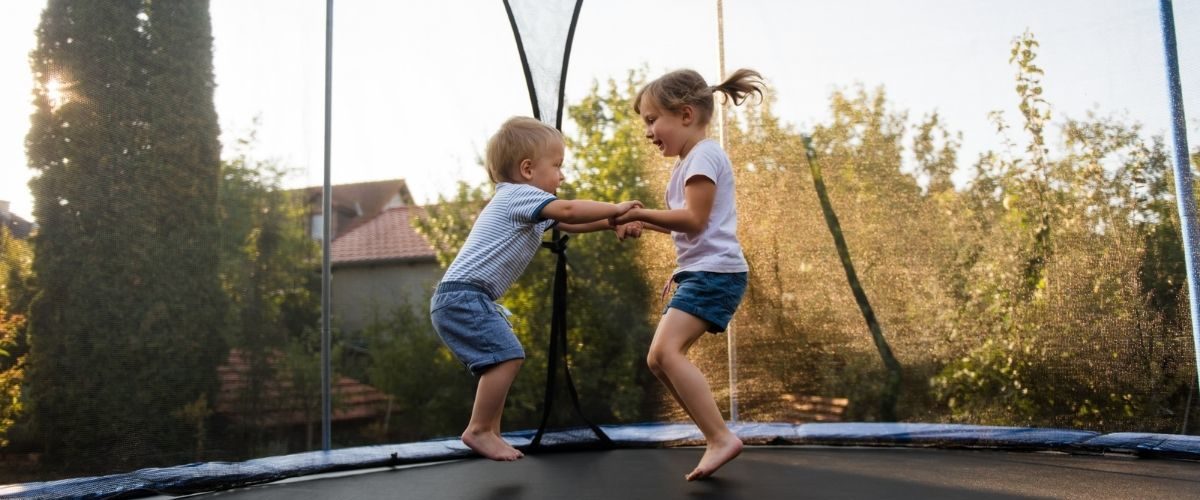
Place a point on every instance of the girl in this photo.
(702, 220)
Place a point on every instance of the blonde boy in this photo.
(524, 160)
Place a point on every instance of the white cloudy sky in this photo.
(419, 86)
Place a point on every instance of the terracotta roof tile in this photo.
(387, 237)
(354, 400)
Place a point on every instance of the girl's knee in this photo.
(654, 363)
(658, 360)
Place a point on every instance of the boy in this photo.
(524, 160)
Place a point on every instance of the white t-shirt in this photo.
(716, 249)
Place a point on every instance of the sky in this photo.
(418, 87)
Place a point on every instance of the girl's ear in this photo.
(526, 169)
(687, 115)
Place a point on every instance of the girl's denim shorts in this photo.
(475, 329)
(712, 297)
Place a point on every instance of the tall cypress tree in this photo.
(125, 332)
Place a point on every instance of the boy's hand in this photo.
(626, 206)
(631, 230)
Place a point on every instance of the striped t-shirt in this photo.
(503, 240)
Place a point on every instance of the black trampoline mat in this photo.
(762, 473)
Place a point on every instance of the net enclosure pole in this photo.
(731, 341)
(1183, 172)
(326, 211)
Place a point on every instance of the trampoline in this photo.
(791, 452)
(761, 472)
(852, 460)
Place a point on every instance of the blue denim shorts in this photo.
(712, 297)
(473, 327)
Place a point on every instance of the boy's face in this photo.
(545, 171)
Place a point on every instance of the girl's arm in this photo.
(652, 227)
(699, 193)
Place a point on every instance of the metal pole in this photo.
(1183, 172)
(326, 215)
(729, 337)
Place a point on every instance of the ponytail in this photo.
(740, 85)
(685, 87)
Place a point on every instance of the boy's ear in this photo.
(525, 169)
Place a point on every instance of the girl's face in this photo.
(545, 171)
(673, 133)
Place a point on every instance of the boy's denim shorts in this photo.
(712, 297)
(473, 327)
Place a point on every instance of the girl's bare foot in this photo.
(718, 453)
(490, 445)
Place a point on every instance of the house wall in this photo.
(363, 294)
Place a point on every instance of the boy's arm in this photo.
(699, 193)
(587, 227)
(571, 212)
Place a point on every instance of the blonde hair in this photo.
(685, 87)
(519, 138)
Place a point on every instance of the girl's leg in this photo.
(656, 369)
(483, 432)
(668, 359)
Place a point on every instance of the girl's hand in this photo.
(625, 218)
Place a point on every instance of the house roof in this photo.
(353, 400)
(17, 226)
(388, 237)
(370, 197)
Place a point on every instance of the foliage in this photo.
(125, 329)
(1080, 325)
(268, 270)
(432, 390)
(15, 292)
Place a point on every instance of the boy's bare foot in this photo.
(491, 445)
(718, 453)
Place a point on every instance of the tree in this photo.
(1067, 293)
(15, 259)
(126, 329)
(268, 270)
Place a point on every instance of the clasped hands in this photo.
(622, 224)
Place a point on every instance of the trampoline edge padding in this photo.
(206, 476)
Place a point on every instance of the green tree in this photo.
(125, 331)
(15, 258)
(268, 271)
(1068, 279)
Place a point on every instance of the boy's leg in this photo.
(483, 432)
(668, 353)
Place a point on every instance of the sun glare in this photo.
(55, 93)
